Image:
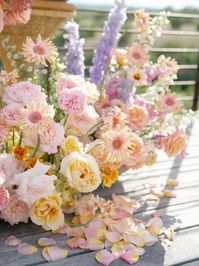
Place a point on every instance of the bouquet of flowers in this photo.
(63, 135)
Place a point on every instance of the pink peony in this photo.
(51, 138)
(23, 93)
(4, 198)
(72, 101)
(11, 114)
(16, 211)
(84, 121)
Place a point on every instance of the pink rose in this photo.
(85, 120)
(16, 211)
(174, 144)
(11, 114)
(137, 117)
(23, 93)
(4, 198)
(66, 82)
(72, 101)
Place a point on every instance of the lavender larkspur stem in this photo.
(74, 58)
(108, 41)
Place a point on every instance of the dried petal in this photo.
(45, 242)
(54, 253)
(26, 249)
(168, 194)
(13, 241)
(155, 226)
(130, 256)
(104, 257)
(172, 183)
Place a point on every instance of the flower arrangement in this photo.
(66, 135)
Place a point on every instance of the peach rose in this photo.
(47, 213)
(175, 143)
(137, 117)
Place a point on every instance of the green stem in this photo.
(7, 149)
(20, 139)
(13, 138)
(80, 225)
(37, 147)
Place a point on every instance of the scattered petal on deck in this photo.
(130, 256)
(54, 253)
(26, 249)
(104, 257)
(75, 242)
(94, 244)
(45, 242)
(13, 241)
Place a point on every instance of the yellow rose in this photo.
(82, 171)
(47, 213)
(71, 143)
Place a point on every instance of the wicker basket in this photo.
(46, 18)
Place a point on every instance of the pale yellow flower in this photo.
(71, 143)
(82, 171)
(109, 174)
(47, 212)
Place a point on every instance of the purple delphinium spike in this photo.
(108, 40)
(74, 58)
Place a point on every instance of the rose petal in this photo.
(172, 183)
(136, 240)
(169, 233)
(149, 239)
(130, 256)
(113, 237)
(45, 242)
(26, 249)
(54, 253)
(104, 257)
(13, 241)
(95, 229)
(155, 226)
(75, 242)
(94, 244)
(117, 250)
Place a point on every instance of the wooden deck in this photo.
(182, 213)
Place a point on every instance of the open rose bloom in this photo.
(68, 137)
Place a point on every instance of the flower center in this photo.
(136, 55)
(117, 143)
(169, 101)
(39, 49)
(35, 117)
(137, 76)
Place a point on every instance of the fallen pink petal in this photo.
(104, 257)
(130, 256)
(45, 242)
(26, 249)
(12, 241)
(54, 253)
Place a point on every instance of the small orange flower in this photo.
(21, 153)
(109, 175)
(31, 163)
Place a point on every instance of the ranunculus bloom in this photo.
(71, 143)
(47, 213)
(67, 82)
(175, 143)
(137, 117)
(84, 121)
(34, 184)
(119, 57)
(4, 197)
(23, 93)
(82, 172)
(16, 211)
(72, 101)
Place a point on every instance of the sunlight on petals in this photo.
(54, 253)
(94, 244)
(130, 256)
(104, 257)
(26, 249)
(113, 237)
(12, 241)
(117, 250)
(155, 226)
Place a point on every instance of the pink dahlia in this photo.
(11, 114)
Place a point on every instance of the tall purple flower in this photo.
(74, 58)
(107, 43)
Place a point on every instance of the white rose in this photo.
(82, 172)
